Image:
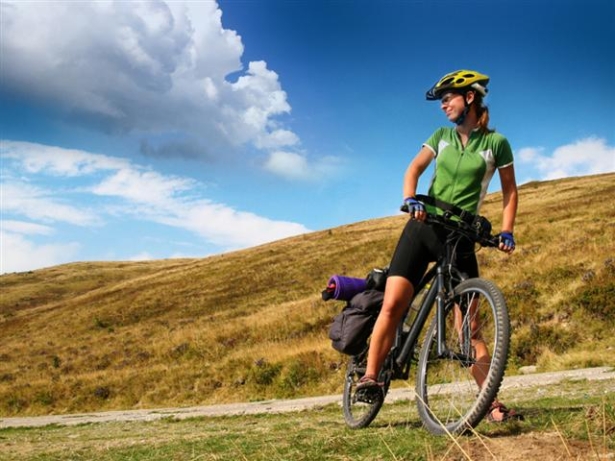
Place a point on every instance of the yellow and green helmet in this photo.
(460, 81)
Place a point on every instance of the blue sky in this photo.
(151, 130)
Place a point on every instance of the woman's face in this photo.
(453, 105)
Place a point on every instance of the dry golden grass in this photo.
(251, 325)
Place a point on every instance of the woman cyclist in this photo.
(467, 155)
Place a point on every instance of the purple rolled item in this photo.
(347, 287)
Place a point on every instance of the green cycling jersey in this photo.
(462, 174)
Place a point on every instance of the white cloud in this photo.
(20, 254)
(142, 186)
(26, 228)
(143, 256)
(263, 93)
(35, 158)
(584, 157)
(36, 203)
(294, 166)
(277, 139)
(289, 164)
(132, 192)
(145, 67)
(529, 154)
(227, 227)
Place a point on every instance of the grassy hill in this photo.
(251, 324)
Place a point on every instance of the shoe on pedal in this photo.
(498, 413)
(368, 382)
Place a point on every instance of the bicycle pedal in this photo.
(369, 396)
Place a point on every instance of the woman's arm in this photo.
(509, 204)
(510, 198)
(415, 169)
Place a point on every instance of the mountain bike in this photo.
(456, 318)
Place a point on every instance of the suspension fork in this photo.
(441, 300)
(463, 324)
(445, 294)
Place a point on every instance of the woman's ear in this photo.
(469, 96)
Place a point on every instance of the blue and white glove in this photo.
(414, 206)
(507, 239)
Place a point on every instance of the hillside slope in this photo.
(251, 325)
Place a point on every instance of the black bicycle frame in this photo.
(421, 318)
(437, 293)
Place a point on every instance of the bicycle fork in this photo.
(462, 324)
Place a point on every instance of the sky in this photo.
(137, 130)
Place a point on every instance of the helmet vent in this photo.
(458, 81)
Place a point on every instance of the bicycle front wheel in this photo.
(456, 386)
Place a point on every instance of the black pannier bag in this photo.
(352, 327)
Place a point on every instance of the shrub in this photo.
(298, 374)
(264, 373)
(530, 342)
(597, 301)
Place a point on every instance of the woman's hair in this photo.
(482, 113)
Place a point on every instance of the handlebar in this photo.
(479, 231)
(475, 227)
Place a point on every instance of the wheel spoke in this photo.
(455, 389)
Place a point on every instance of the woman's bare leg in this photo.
(482, 358)
(397, 295)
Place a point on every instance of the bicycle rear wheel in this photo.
(455, 389)
(360, 408)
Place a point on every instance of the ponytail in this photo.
(482, 113)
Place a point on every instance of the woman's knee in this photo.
(398, 290)
(397, 296)
(391, 312)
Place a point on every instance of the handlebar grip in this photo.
(481, 226)
(492, 241)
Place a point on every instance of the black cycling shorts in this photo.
(421, 244)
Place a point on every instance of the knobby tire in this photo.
(361, 408)
(448, 398)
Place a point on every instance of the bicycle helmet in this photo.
(460, 81)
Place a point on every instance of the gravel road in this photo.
(281, 406)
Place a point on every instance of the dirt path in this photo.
(281, 406)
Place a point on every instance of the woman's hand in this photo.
(507, 242)
(416, 209)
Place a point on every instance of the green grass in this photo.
(250, 325)
(573, 420)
